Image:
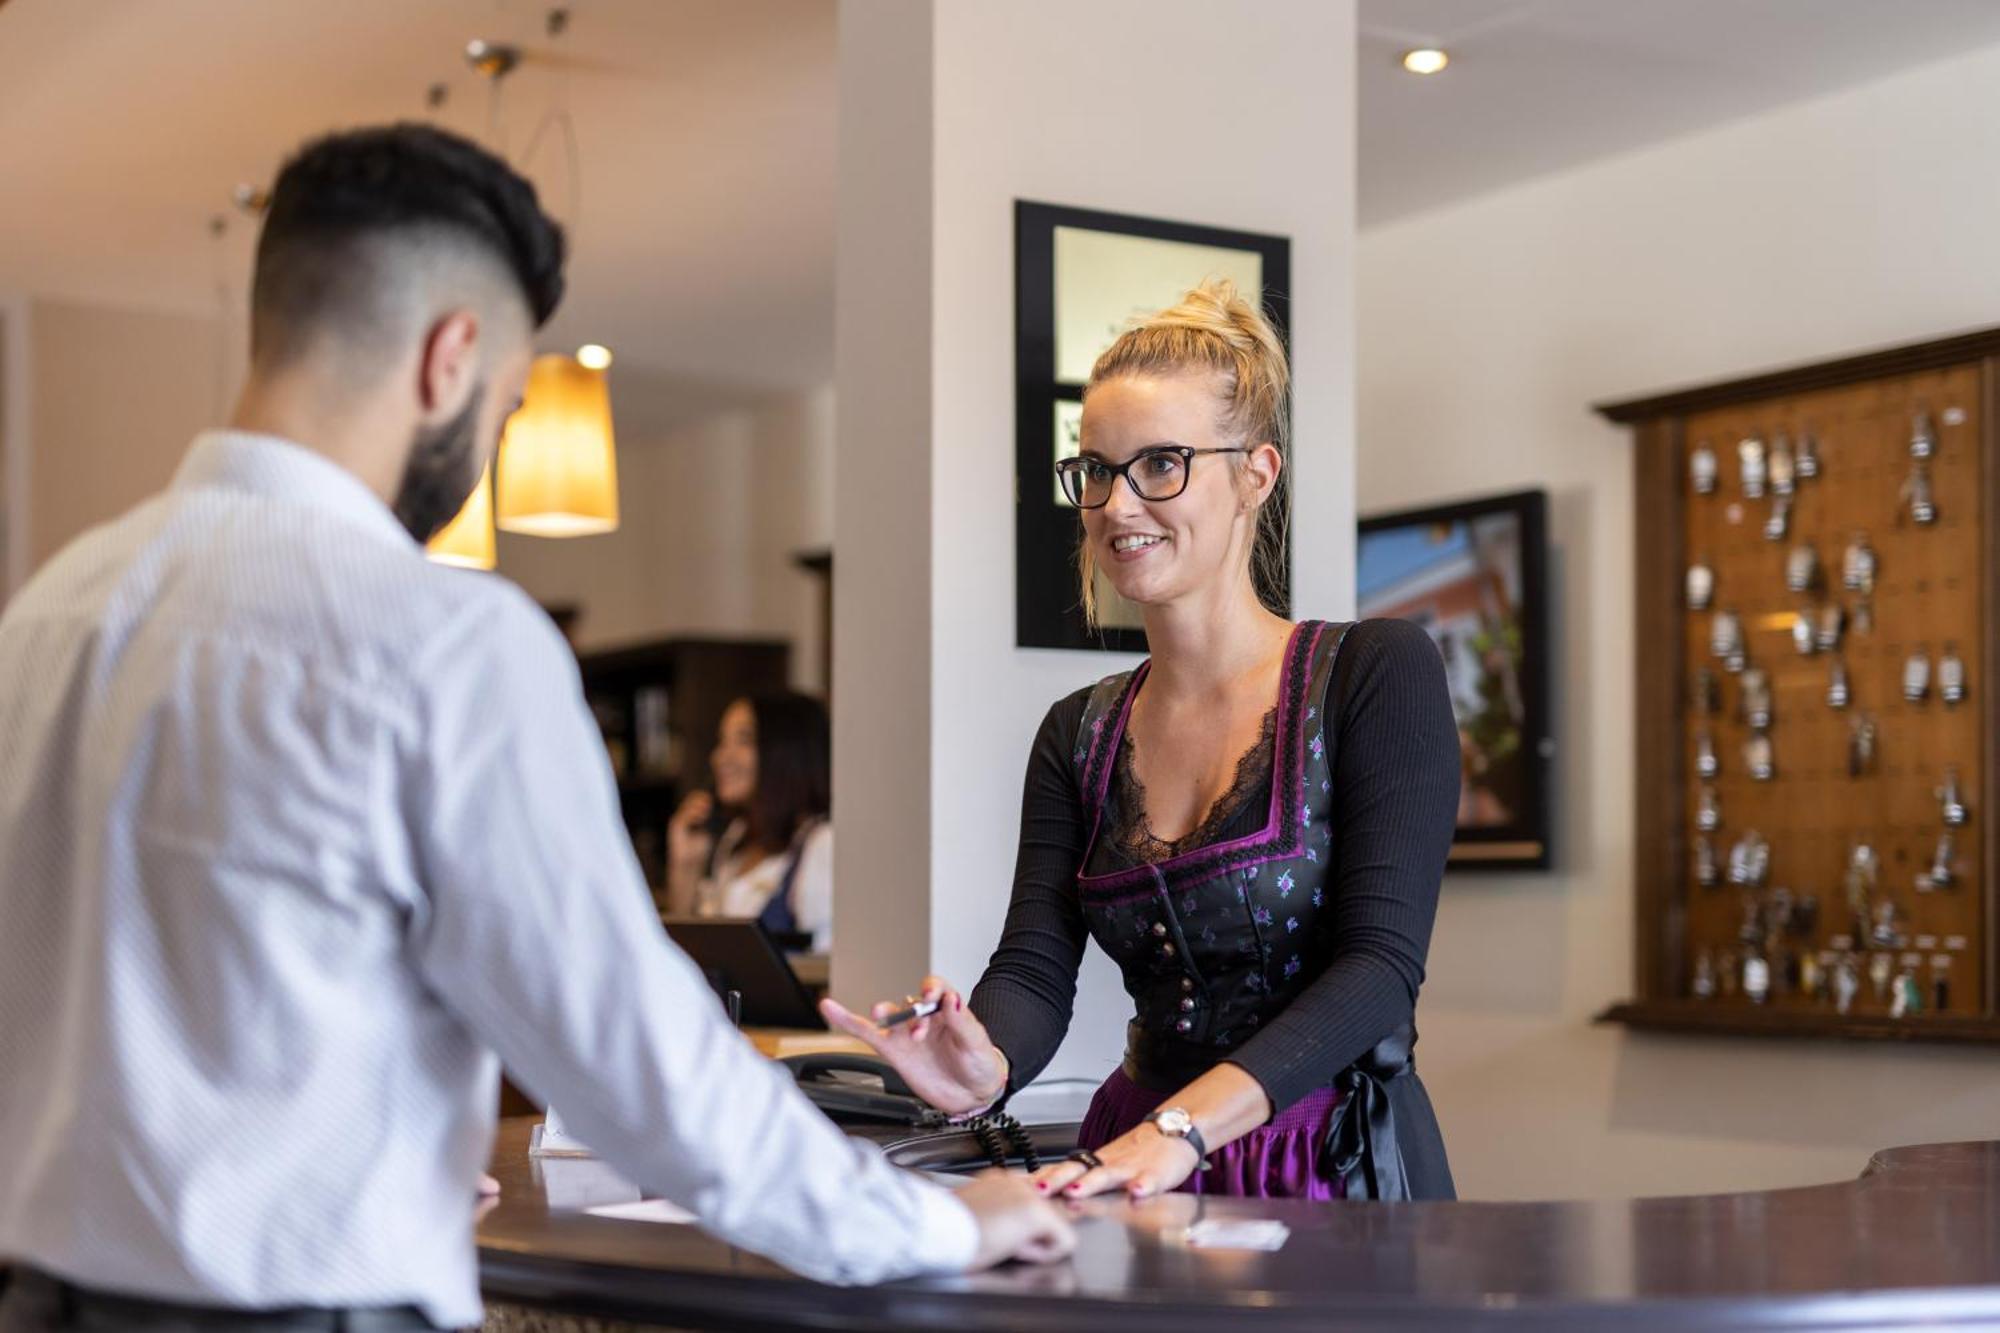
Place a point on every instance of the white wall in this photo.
(950, 112)
(1834, 226)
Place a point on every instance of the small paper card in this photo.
(1248, 1233)
(647, 1210)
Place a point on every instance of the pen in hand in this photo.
(921, 1009)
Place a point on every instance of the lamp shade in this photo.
(468, 539)
(558, 474)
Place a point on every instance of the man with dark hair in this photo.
(299, 830)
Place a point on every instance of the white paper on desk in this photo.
(1248, 1233)
(646, 1210)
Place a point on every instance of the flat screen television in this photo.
(1473, 574)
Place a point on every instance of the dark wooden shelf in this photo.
(1722, 1018)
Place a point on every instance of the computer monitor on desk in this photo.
(739, 955)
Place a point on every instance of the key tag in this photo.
(1846, 984)
(1861, 746)
(1756, 978)
(1725, 640)
(1708, 811)
(1803, 637)
(1759, 759)
(1917, 676)
(1749, 861)
(1917, 492)
(1751, 469)
(1832, 627)
(1951, 677)
(1951, 801)
(1705, 762)
(1700, 587)
(1802, 568)
(1858, 566)
(1836, 688)
(1702, 469)
(1706, 872)
(1943, 873)
(1704, 976)
(1782, 467)
(1756, 699)
(1808, 458)
(1779, 524)
(1923, 437)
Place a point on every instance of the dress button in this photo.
(1168, 948)
(1184, 1025)
(1159, 927)
(1187, 1006)
(1187, 983)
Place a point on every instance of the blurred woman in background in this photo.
(773, 857)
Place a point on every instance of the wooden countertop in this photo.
(1915, 1240)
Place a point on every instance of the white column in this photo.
(1229, 115)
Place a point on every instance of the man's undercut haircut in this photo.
(355, 215)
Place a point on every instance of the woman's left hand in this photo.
(1142, 1162)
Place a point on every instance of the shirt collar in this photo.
(268, 465)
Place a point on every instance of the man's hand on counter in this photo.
(1015, 1221)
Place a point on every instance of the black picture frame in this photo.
(1048, 609)
(1520, 785)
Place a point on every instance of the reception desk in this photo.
(1914, 1240)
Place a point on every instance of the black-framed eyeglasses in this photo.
(1159, 473)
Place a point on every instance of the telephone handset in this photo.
(859, 1087)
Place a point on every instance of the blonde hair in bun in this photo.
(1214, 329)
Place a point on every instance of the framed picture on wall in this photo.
(1472, 574)
(1080, 277)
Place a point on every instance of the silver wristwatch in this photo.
(1176, 1123)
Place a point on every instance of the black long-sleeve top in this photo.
(1388, 719)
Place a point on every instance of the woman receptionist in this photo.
(1252, 824)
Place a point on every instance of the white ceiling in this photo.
(1538, 85)
(705, 236)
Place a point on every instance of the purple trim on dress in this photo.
(1287, 781)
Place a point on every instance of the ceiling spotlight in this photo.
(492, 59)
(1425, 60)
(593, 356)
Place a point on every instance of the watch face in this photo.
(1175, 1121)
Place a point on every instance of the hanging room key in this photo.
(1708, 811)
(1750, 861)
(1758, 758)
(1808, 459)
(1702, 469)
(1951, 800)
(1858, 566)
(1845, 984)
(1861, 746)
(1725, 640)
(1705, 763)
(1803, 637)
(1942, 875)
(1832, 627)
(1706, 872)
(1951, 676)
(1751, 468)
(1923, 437)
(1917, 676)
(1700, 587)
(1836, 686)
(1756, 978)
(1704, 976)
(1756, 699)
(1779, 524)
(1782, 468)
(1917, 491)
(1802, 568)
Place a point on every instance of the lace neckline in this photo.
(1132, 832)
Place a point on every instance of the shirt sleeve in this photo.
(1395, 807)
(1028, 992)
(535, 927)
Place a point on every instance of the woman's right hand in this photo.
(946, 1057)
(688, 838)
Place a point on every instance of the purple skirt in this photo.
(1279, 1160)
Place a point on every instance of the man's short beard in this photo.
(443, 468)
